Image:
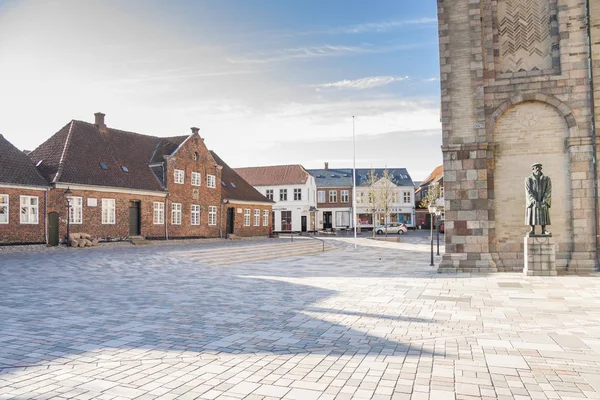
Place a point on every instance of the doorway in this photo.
(303, 223)
(53, 229)
(327, 220)
(134, 218)
(230, 220)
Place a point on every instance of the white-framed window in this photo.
(196, 178)
(159, 212)
(297, 194)
(76, 210)
(395, 197)
(345, 196)
(4, 208)
(108, 211)
(256, 217)
(176, 213)
(406, 197)
(195, 214)
(333, 196)
(29, 209)
(265, 217)
(321, 196)
(360, 198)
(179, 176)
(269, 194)
(246, 217)
(211, 181)
(212, 215)
(282, 194)
(342, 218)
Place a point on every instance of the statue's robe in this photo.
(538, 194)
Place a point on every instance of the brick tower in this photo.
(520, 83)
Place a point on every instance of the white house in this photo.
(400, 203)
(294, 191)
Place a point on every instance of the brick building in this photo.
(22, 197)
(124, 184)
(334, 197)
(435, 178)
(514, 93)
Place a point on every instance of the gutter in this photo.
(593, 126)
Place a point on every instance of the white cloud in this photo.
(318, 51)
(382, 26)
(362, 83)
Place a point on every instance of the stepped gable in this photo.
(274, 175)
(16, 167)
(235, 187)
(75, 154)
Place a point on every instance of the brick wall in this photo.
(247, 231)
(14, 231)
(92, 215)
(480, 106)
(338, 203)
(526, 133)
(188, 195)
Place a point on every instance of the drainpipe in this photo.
(593, 125)
(165, 217)
(46, 216)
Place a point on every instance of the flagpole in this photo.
(354, 179)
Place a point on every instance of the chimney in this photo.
(326, 166)
(100, 122)
(194, 129)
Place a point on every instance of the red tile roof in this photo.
(274, 175)
(74, 155)
(236, 188)
(16, 167)
(434, 176)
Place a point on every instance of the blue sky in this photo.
(267, 81)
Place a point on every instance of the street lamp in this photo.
(68, 193)
(431, 222)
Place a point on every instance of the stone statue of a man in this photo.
(538, 195)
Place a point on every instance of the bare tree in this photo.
(432, 197)
(385, 190)
(372, 196)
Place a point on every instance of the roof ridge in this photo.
(61, 164)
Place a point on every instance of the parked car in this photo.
(392, 228)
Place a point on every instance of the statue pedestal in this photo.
(540, 256)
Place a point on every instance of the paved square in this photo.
(162, 322)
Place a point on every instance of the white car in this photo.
(392, 228)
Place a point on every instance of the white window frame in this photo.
(246, 217)
(282, 194)
(265, 217)
(6, 205)
(211, 181)
(179, 176)
(159, 213)
(75, 210)
(333, 195)
(344, 194)
(109, 211)
(340, 216)
(298, 194)
(406, 195)
(360, 198)
(31, 210)
(321, 196)
(269, 194)
(176, 213)
(196, 179)
(195, 217)
(256, 217)
(212, 215)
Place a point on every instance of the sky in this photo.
(268, 82)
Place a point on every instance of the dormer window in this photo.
(124, 168)
(103, 166)
(39, 163)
